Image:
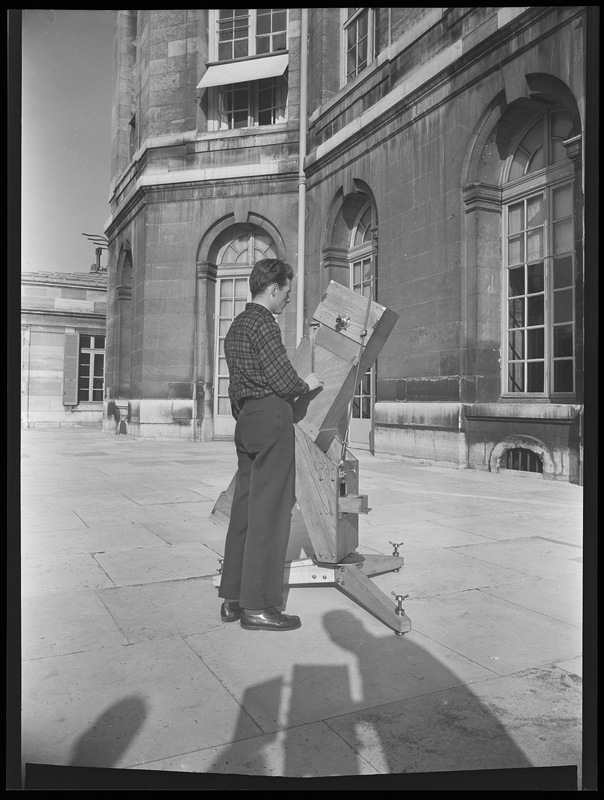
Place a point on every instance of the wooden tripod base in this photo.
(352, 577)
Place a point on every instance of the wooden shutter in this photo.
(70, 370)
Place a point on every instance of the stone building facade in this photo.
(432, 158)
(63, 331)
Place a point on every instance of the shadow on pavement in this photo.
(111, 734)
(446, 729)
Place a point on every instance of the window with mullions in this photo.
(359, 40)
(91, 368)
(245, 32)
(540, 264)
(363, 281)
(246, 105)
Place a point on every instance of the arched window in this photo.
(539, 261)
(234, 263)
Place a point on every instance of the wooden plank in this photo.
(221, 513)
(322, 413)
(316, 487)
(356, 312)
(378, 564)
(359, 587)
(353, 504)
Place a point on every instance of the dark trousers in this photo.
(260, 522)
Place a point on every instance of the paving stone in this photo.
(168, 608)
(500, 635)
(306, 751)
(125, 706)
(66, 622)
(493, 724)
(153, 564)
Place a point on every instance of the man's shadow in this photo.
(401, 712)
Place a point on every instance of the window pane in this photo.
(241, 285)
(85, 357)
(558, 151)
(534, 244)
(263, 21)
(563, 272)
(515, 218)
(563, 376)
(224, 407)
(516, 378)
(240, 48)
(518, 164)
(226, 287)
(535, 340)
(97, 395)
(516, 281)
(279, 19)
(534, 378)
(84, 341)
(535, 278)
(99, 365)
(534, 138)
(516, 250)
(536, 161)
(362, 54)
(223, 386)
(84, 370)
(223, 326)
(225, 51)
(226, 308)
(562, 125)
(534, 310)
(563, 237)
(535, 211)
(563, 202)
(563, 341)
(516, 313)
(516, 345)
(563, 305)
(279, 42)
(239, 307)
(263, 45)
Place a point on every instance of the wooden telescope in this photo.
(344, 339)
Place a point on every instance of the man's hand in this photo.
(313, 381)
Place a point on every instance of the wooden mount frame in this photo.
(346, 335)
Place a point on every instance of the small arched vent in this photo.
(519, 458)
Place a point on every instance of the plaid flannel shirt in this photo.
(257, 359)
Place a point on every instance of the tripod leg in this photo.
(359, 587)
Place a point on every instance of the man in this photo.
(263, 385)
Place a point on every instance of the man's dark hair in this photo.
(267, 271)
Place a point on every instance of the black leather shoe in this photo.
(269, 620)
(230, 612)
